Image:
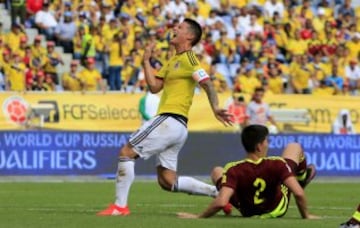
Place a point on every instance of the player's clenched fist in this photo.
(148, 51)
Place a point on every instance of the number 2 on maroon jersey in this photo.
(260, 185)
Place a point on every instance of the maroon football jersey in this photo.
(257, 185)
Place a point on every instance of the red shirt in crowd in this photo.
(33, 6)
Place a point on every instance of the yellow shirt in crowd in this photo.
(127, 72)
(13, 40)
(90, 79)
(275, 84)
(297, 47)
(71, 82)
(16, 77)
(49, 62)
(115, 58)
(248, 84)
(300, 77)
(354, 49)
(204, 8)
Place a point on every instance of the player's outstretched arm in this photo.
(221, 114)
(300, 197)
(155, 84)
(216, 205)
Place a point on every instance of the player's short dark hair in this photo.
(252, 135)
(195, 28)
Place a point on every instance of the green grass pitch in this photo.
(74, 204)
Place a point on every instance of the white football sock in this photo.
(194, 187)
(124, 178)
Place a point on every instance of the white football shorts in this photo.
(162, 136)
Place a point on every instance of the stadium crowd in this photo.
(285, 46)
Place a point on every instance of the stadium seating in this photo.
(260, 37)
(5, 18)
(223, 69)
(31, 34)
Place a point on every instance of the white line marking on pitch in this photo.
(327, 208)
(81, 208)
(48, 209)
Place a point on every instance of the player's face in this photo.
(264, 146)
(181, 34)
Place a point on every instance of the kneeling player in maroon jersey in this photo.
(259, 185)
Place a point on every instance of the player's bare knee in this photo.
(166, 178)
(294, 146)
(165, 184)
(216, 173)
(294, 152)
(128, 152)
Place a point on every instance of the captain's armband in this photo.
(200, 75)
